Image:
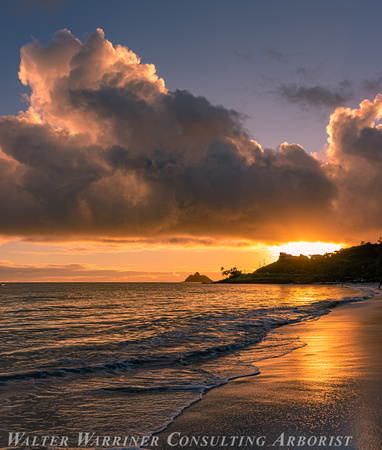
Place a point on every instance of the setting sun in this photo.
(306, 248)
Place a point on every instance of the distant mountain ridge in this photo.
(361, 263)
(197, 278)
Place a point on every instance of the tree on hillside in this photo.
(233, 272)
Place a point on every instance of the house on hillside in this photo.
(285, 256)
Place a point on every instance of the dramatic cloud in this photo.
(316, 96)
(105, 150)
(355, 154)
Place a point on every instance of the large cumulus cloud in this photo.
(106, 150)
(355, 155)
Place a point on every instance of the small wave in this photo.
(64, 371)
(136, 390)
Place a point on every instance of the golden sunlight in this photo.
(306, 248)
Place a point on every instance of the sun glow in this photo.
(306, 248)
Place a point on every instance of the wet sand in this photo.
(331, 388)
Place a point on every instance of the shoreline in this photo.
(320, 390)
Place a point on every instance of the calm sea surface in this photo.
(126, 358)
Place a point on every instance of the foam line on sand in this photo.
(331, 388)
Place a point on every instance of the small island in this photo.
(197, 278)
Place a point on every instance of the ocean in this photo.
(124, 359)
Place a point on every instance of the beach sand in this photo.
(329, 388)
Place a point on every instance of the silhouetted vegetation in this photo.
(231, 273)
(361, 263)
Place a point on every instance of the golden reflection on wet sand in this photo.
(337, 372)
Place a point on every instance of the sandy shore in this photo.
(328, 392)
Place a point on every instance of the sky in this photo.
(147, 140)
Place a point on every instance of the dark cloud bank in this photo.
(316, 95)
(106, 150)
